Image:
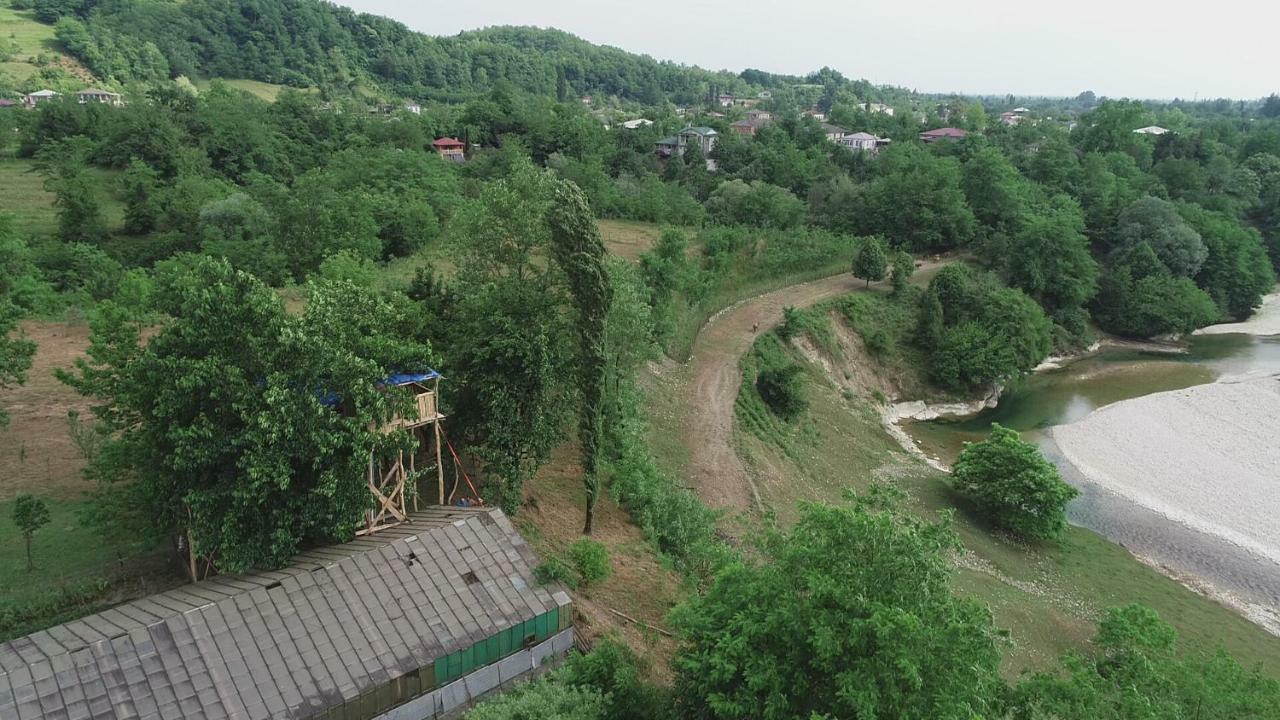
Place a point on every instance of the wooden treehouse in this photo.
(390, 476)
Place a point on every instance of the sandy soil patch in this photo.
(1266, 321)
(36, 452)
(1205, 457)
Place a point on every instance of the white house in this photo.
(880, 108)
(38, 97)
(1151, 130)
(834, 134)
(863, 142)
(637, 123)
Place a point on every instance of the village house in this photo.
(833, 133)
(418, 621)
(815, 113)
(746, 128)
(637, 123)
(450, 149)
(703, 137)
(413, 107)
(946, 133)
(1010, 118)
(1151, 130)
(6, 102)
(38, 97)
(764, 95)
(863, 142)
(725, 101)
(879, 108)
(755, 114)
(93, 95)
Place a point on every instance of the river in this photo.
(1212, 564)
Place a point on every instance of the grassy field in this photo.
(31, 39)
(1049, 596)
(264, 90)
(23, 193)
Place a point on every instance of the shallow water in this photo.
(1249, 582)
(1065, 395)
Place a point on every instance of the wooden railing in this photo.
(424, 411)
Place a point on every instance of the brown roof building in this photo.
(416, 621)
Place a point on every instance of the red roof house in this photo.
(450, 148)
(946, 133)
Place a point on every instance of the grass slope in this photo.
(22, 189)
(1049, 596)
(32, 39)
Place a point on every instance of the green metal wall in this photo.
(452, 666)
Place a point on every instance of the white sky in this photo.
(1134, 48)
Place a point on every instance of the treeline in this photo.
(308, 43)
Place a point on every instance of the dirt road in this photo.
(715, 470)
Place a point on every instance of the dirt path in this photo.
(715, 470)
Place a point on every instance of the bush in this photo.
(591, 561)
(782, 389)
(555, 570)
(542, 699)
(1014, 485)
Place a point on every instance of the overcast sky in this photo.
(1134, 48)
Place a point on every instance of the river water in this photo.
(1057, 397)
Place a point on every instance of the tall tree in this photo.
(871, 261)
(237, 426)
(578, 249)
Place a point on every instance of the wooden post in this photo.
(439, 460)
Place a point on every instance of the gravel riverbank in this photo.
(1204, 457)
(1266, 321)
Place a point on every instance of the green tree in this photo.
(758, 204)
(1049, 258)
(993, 189)
(848, 614)
(870, 263)
(1013, 484)
(1134, 670)
(224, 426)
(29, 515)
(139, 184)
(904, 266)
(1157, 223)
(916, 201)
(580, 253)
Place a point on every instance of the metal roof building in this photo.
(413, 622)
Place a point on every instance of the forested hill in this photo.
(306, 43)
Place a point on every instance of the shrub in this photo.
(782, 389)
(543, 699)
(555, 570)
(1014, 485)
(591, 561)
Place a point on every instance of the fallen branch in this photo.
(642, 623)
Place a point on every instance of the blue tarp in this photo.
(397, 379)
(333, 399)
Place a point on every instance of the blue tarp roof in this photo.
(333, 399)
(397, 379)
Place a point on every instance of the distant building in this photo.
(764, 95)
(725, 101)
(764, 115)
(1151, 130)
(703, 137)
(747, 127)
(1021, 111)
(946, 133)
(450, 149)
(413, 107)
(6, 102)
(815, 113)
(879, 108)
(416, 622)
(93, 95)
(637, 123)
(863, 142)
(1010, 118)
(38, 97)
(833, 133)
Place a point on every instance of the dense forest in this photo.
(1070, 222)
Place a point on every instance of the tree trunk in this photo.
(30, 565)
(593, 486)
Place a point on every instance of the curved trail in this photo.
(715, 470)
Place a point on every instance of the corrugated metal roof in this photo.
(337, 622)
